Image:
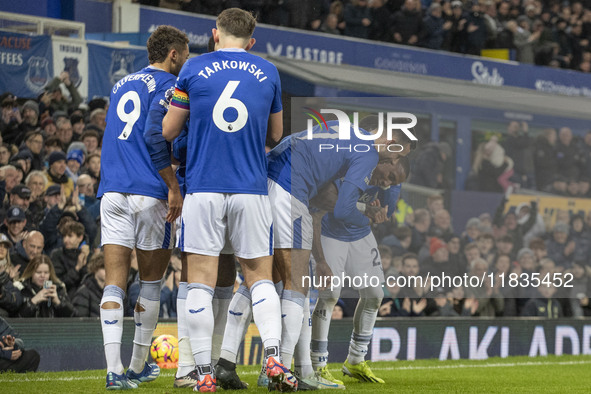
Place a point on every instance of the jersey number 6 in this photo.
(226, 101)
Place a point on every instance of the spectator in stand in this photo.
(13, 355)
(31, 246)
(420, 228)
(429, 165)
(5, 154)
(88, 196)
(380, 20)
(357, 19)
(544, 305)
(509, 224)
(572, 188)
(412, 297)
(78, 126)
(97, 118)
(93, 169)
(40, 298)
(558, 186)
(472, 231)
(87, 299)
(54, 100)
(585, 156)
(567, 154)
(476, 32)
(330, 25)
(48, 127)
(34, 143)
(407, 24)
(90, 138)
(441, 226)
(524, 212)
(56, 173)
(14, 224)
(538, 247)
(502, 270)
(579, 293)
(518, 146)
(490, 299)
(10, 296)
(454, 40)
(10, 176)
(506, 245)
(435, 28)
(493, 25)
(399, 240)
(64, 132)
(523, 39)
(52, 144)
(434, 204)
(71, 258)
(584, 187)
(471, 253)
(11, 119)
(492, 168)
(74, 162)
(486, 247)
(526, 259)
(454, 247)
(560, 249)
(30, 120)
(581, 238)
(562, 37)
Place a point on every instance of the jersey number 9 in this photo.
(129, 118)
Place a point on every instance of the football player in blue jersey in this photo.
(298, 168)
(352, 250)
(140, 199)
(236, 102)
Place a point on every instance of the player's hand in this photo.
(570, 248)
(324, 274)
(63, 199)
(16, 354)
(377, 214)
(175, 205)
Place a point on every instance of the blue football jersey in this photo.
(338, 229)
(138, 103)
(230, 95)
(301, 167)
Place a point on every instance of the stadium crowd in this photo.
(550, 33)
(51, 264)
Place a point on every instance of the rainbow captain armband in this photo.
(180, 99)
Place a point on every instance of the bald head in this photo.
(34, 243)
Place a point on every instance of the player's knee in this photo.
(112, 297)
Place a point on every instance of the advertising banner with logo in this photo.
(111, 63)
(72, 56)
(25, 64)
(61, 341)
(322, 48)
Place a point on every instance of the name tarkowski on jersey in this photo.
(233, 65)
(148, 79)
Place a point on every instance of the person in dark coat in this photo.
(70, 259)
(13, 354)
(87, 299)
(567, 154)
(429, 165)
(357, 18)
(41, 298)
(434, 28)
(545, 160)
(407, 24)
(475, 30)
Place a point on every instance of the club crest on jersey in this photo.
(121, 65)
(37, 74)
(71, 66)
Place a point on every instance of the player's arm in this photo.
(160, 153)
(177, 115)
(275, 126)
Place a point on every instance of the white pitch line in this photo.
(405, 368)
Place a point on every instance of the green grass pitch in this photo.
(564, 374)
